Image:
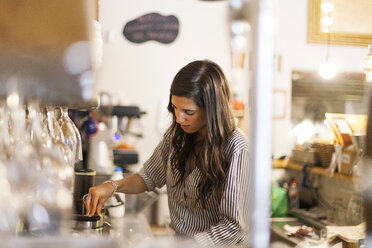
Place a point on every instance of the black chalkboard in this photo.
(152, 26)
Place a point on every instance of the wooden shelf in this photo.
(286, 164)
(238, 113)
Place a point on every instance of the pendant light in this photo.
(327, 70)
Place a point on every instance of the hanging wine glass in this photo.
(8, 214)
(22, 167)
(4, 134)
(79, 148)
(51, 160)
(56, 133)
(68, 131)
(33, 175)
(20, 152)
(53, 192)
(52, 124)
(71, 133)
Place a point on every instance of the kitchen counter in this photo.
(279, 233)
(161, 230)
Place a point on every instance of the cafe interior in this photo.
(84, 90)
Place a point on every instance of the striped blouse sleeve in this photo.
(234, 210)
(154, 169)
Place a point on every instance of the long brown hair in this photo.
(204, 82)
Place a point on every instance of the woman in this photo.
(202, 158)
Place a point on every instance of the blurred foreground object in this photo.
(46, 44)
(367, 173)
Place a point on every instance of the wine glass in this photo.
(54, 182)
(51, 160)
(71, 133)
(8, 214)
(22, 164)
(56, 133)
(68, 131)
(354, 212)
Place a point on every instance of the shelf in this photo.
(286, 164)
(238, 113)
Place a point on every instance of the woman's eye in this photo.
(189, 112)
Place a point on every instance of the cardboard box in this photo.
(309, 157)
(347, 161)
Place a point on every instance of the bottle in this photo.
(100, 151)
(118, 174)
(294, 196)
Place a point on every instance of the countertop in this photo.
(161, 230)
(278, 232)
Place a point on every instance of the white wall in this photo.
(297, 54)
(141, 74)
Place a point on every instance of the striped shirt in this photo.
(224, 221)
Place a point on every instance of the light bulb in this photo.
(327, 21)
(327, 70)
(327, 7)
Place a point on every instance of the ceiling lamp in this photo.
(327, 70)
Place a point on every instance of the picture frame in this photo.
(351, 23)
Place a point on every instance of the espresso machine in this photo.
(108, 139)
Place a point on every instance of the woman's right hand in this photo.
(97, 197)
(99, 194)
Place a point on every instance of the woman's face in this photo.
(190, 117)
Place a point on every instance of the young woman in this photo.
(202, 159)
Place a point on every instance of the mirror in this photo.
(351, 23)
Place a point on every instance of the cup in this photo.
(323, 234)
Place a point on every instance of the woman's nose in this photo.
(180, 117)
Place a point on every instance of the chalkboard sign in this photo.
(152, 26)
